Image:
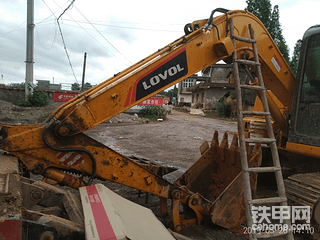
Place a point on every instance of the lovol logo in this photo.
(162, 76)
(170, 70)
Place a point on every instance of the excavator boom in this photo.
(173, 63)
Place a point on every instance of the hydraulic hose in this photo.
(94, 164)
(209, 22)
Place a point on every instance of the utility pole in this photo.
(84, 71)
(29, 57)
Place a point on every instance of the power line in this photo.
(93, 37)
(109, 33)
(53, 41)
(89, 22)
(112, 33)
(98, 42)
(13, 29)
(52, 14)
(44, 22)
(144, 29)
(146, 23)
(65, 47)
(102, 35)
(65, 10)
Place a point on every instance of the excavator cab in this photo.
(305, 118)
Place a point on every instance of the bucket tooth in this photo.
(224, 147)
(234, 142)
(216, 175)
(215, 139)
(233, 149)
(224, 142)
(215, 169)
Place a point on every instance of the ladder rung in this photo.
(242, 39)
(267, 200)
(271, 234)
(254, 113)
(252, 87)
(263, 169)
(260, 140)
(247, 62)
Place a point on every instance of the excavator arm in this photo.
(60, 144)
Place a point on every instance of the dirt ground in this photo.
(174, 142)
(10, 113)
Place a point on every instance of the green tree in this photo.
(173, 92)
(87, 85)
(261, 9)
(75, 86)
(270, 19)
(276, 33)
(295, 57)
(38, 98)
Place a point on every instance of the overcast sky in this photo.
(115, 34)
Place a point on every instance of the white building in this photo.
(184, 96)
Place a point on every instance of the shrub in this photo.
(223, 108)
(153, 112)
(38, 99)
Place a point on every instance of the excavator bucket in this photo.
(216, 175)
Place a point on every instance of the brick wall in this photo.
(10, 94)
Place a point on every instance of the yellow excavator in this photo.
(212, 188)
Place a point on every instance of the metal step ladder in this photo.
(276, 168)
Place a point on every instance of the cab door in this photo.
(305, 118)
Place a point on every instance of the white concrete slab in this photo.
(196, 112)
(110, 216)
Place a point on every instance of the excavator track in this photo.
(304, 190)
